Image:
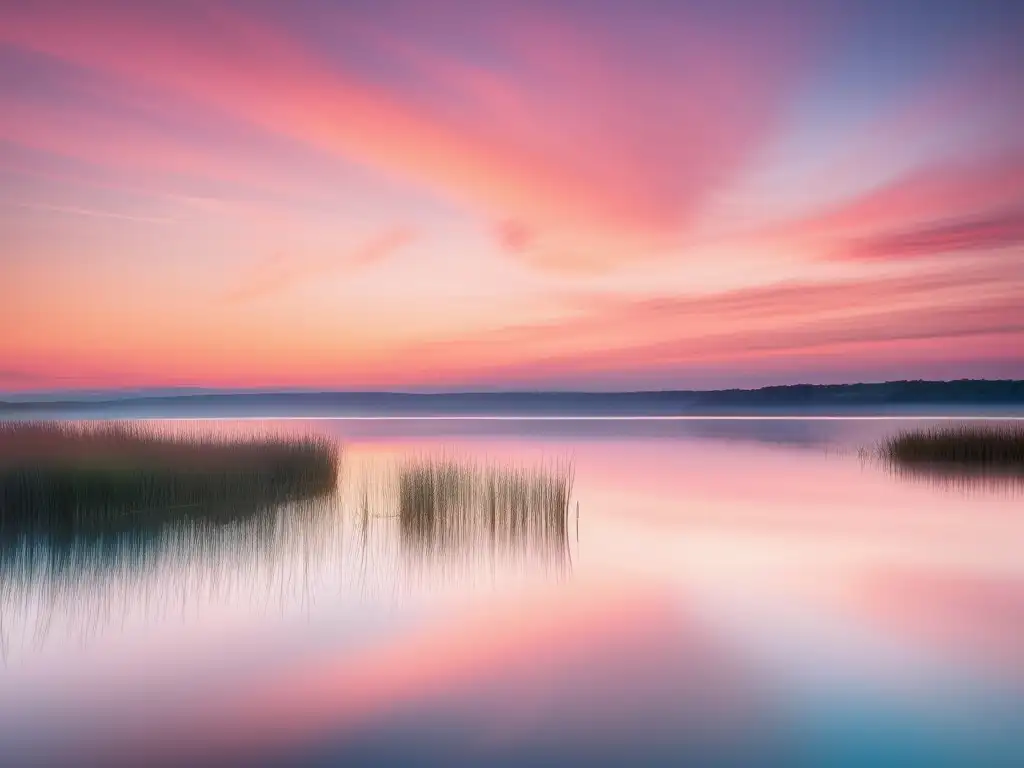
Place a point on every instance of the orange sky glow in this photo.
(405, 195)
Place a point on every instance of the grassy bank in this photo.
(56, 475)
(967, 445)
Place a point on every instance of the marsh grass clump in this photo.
(980, 446)
(446, 506)
(63, 476)
(966, 457)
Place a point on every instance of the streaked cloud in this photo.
(282, 271)
(589, 192)
(89, 212)
(614, 172)
(993, 232)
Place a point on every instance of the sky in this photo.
(392, 194)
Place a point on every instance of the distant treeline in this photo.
(965, 392)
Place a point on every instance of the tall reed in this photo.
(962, 444)
(64, 475)
(446, 505)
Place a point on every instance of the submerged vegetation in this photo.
(966, 444)
(61, 476)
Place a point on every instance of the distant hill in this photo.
(893, 396)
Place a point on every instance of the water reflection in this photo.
(973, 617)
(810, 433)
(82, 580)
(527, 681)
(392, 528)
(735, 598)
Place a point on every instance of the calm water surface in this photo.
(748, 591)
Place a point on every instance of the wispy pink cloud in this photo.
(944, 191)
(549, 136)
(999, 230)
(617, 334)
(611, 174)
(283, 271)
(90, 212)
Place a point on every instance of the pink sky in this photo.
(596, 195)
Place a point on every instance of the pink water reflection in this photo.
(709, 576)
(971, 618)
(598, 657)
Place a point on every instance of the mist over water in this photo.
(508, 591)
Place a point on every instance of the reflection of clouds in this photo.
(977, 617)
(592, 668)
(580, 667)
(801, 432)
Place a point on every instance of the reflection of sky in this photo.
(727, 591)
(812, 432)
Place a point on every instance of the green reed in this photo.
(444, 505)
(64, 476)
(991, 446)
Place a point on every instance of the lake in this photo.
(737, 591)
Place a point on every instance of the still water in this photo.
(736, 591)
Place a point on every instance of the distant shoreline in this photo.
(909, 399)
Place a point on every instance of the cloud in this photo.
(989, 187)
(612, 174)
(32, 378)
(91, 213)
(955, 312)
(282, 272)
(991, 232)
(17, 376)
(514, 236)
(379, 248)
(146, 157)
(578, 136)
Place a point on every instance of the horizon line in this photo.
(187, 390)
(566, 417)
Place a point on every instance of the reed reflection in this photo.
(385, 530)
(87, 579)
(965, 457)
(969, 480)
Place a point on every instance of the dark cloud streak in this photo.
(983, 233)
